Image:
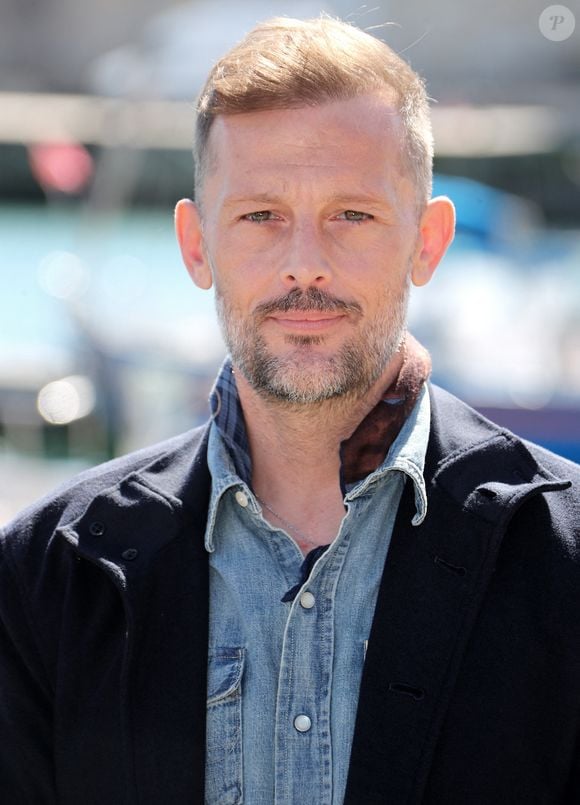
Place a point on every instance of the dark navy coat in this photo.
(471, 687)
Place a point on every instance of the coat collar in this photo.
(129, 521)
(485, 469)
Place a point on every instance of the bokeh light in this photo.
(63, 401)
(63, 275)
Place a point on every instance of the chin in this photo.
(309, 378)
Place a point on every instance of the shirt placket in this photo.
(303, 747)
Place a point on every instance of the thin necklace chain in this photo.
(287, 524)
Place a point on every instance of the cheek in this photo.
(238, 238)
(238, 256)
(230, 264)
(238, 288)
(393, 261)
(384, 290)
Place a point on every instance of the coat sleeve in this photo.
(26, 729)
(573, 791)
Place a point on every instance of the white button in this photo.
(241, 498)
(302, 723)
(307, 600)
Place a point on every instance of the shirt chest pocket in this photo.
(223, 785)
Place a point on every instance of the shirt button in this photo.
(241, 498)
(302, 723)
(307, 600)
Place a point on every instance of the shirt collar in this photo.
(382, 442)
(406, 454)
(366, 448)
(228, 417)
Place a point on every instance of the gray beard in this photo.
(303, 377)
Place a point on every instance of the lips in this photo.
(304, 320)
(304, 315)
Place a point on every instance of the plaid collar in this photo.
(228, 416)
(365, 450)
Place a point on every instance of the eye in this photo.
(258, 217)
(355, 216)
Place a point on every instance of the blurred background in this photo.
(106, 346)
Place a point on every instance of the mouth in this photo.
(306, 321)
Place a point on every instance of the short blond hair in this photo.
(286, 63)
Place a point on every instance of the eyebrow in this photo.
(269, 200)
(360, 198)
(258, 198)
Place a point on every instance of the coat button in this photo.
(97, 529)
(130, 554)
(307, 600)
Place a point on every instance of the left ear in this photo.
(436, 231)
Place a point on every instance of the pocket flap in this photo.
(225, 669)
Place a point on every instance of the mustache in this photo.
(310, 299)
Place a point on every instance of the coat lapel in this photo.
(433, 584)
(168, 673)
(428, 598)
(147, 533)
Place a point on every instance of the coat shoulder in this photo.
(459, 427)
(468, 453)
(68, 501)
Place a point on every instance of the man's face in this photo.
(310, 234)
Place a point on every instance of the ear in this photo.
(436, 231)
(190, 237)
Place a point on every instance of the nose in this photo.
(306, 263)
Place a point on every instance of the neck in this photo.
(297, 447)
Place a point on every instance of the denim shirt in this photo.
(284, 675)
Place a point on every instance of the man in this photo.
(349, 586)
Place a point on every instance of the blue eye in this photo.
(258, 217)
(355, 216)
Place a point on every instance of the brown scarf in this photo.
(365, 450)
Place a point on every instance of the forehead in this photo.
(359, 139)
